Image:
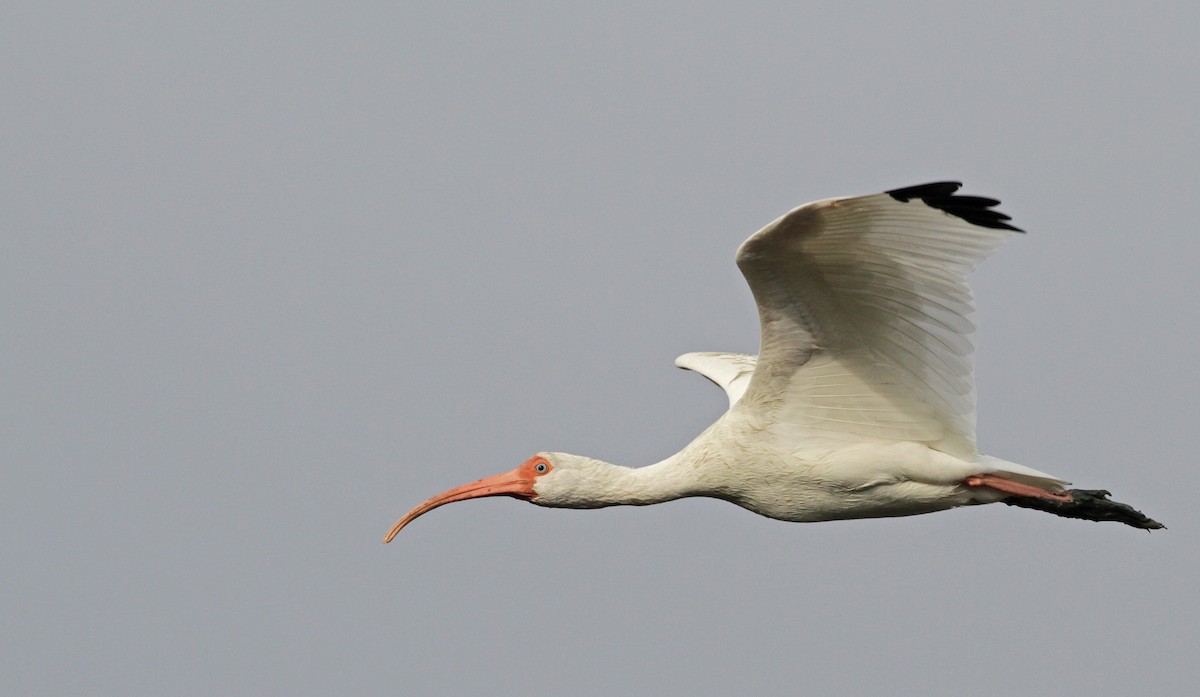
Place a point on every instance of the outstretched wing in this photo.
(730, 371)
(866, 315)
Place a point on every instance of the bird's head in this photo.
(542, 479)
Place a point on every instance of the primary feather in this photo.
(867, 317)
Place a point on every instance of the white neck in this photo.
(585, 482)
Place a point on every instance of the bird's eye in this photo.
(541, 468)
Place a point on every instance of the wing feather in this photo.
(730, 371)
(867, 317)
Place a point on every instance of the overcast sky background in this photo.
(273, 273)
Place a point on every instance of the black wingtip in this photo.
(976, 210)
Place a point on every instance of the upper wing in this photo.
(866, 314)
(731, 371)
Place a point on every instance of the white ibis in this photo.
(861, 402)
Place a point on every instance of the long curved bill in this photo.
(517, 483)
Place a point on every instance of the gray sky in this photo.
(273, 275)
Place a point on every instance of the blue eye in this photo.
(540, 468)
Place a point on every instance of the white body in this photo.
(861, 402)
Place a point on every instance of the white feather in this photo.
(730, 371)
(867, 320)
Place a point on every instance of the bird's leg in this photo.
(1015, 488)
(1085, 504)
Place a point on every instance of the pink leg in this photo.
(1009, 486)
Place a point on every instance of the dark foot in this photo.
(1088, 504)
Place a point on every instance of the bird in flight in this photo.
(861, 401)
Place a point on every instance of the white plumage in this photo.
(861, 402)
(730, 371)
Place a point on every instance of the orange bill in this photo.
(517, 483)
